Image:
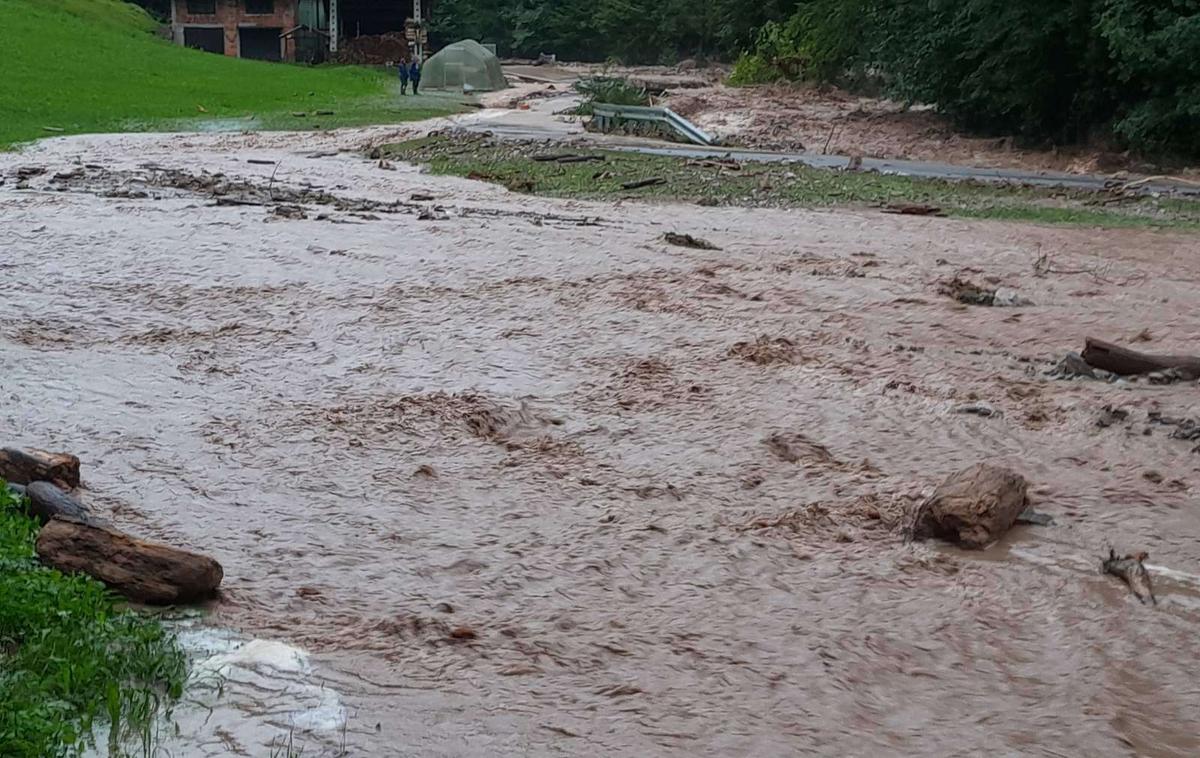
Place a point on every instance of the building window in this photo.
(260, 7)
(202, 7)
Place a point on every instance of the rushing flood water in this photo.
(504, 470)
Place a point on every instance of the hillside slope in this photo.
(96, 66)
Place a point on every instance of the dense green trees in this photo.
(1065, 71)
(635, 31)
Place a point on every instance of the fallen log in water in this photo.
(32, 465)
(1132, 571)
(139, 570)
(1125, 362)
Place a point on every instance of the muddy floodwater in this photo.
(522, 478)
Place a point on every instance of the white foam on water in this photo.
(244, 696)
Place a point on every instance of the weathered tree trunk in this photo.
(46, 501)
(139, 570)
(1125, 362)
(31, 465)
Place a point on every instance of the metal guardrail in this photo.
(607, 115)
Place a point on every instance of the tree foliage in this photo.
(1065, 71)
(633, 31)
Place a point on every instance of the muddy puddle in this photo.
(518, 477)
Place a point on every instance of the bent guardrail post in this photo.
(607, 114)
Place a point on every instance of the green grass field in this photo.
(777, 185)
(70, 657)
(88, 66)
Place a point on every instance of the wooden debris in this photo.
(638, 184)
(1125, 362)
(568, 158)
(32, 465)
(913, 209)
(687, 240)
(139, 570)
(1131, 570)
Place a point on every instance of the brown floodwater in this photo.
(524, 479)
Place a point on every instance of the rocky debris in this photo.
(793, 447)
(1111, 416)
(687, 240)
(141, 571)
(22, 466)
(1073, 366)
(46, 502)
(765, 351)
(1030, 517)
(1187, 429)
(973, 508)
(966, 291)
(976, 409)
(1131, 570)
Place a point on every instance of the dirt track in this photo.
(530, 480)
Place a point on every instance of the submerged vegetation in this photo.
(71, 659)
(604, 174)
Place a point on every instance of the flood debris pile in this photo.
(73, 541)
(1109, 362)
(970, 293)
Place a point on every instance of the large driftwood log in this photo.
(1125, 362)
(139, 570)
(47, 501)
(31, 465)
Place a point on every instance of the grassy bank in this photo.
(774, 185)
(86, 66)
(70, 658)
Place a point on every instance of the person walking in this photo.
(414, 74)
(404, 78)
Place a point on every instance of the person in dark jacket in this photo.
(403, 77)
(414, 74)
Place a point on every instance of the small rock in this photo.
(1153, 476)
(47, 501)
(463, 633)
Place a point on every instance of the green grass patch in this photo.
(710, 182)
(70, 657)
(89, 66)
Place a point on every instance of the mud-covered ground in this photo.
(528, 479)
